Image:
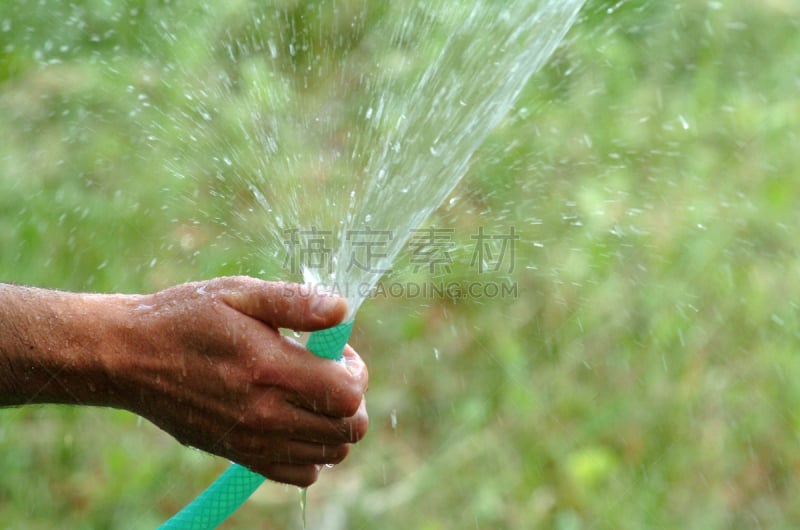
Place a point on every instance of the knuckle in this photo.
(265, 411)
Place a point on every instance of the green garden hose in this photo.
(237, 483)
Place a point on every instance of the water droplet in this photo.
(616, 6)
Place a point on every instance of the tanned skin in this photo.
(204, 361)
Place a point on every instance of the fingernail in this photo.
(322, 304)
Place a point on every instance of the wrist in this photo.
(58, 347)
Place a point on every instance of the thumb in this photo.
(286, 305)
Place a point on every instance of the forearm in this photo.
(55, 346)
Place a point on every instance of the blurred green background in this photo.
(644, 377)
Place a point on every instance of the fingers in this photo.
(284, 305)
(285, 420)
(325, 430)
(299, 465)
(319, 385)
(301, 476)
(294, 452)
(295, 462)
(333, 389)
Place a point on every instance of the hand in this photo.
(205, 362)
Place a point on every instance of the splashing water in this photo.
(343, 189)
(328, 155)
(303, 506)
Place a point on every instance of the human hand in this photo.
(205, 362)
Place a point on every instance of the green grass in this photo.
(645, 376)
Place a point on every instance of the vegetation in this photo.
(643, 377)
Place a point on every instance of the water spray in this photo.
(226, 494)
(405, 144)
